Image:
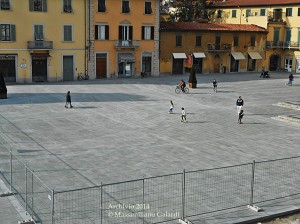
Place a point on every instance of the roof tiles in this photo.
(195, 26)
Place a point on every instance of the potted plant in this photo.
(192, 78)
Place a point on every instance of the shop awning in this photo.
(238, 55)
(126, 57)
(199, 55)
(254, 55)
(179, 55)
(40, 55)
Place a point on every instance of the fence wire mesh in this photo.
(217, 189)
(271, 178)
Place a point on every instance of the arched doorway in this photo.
(274, 62)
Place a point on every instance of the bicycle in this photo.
(82, 76)
(179, 90)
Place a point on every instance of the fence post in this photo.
(32, 196)
(143, 197)
(183, 195)
(252, 183)
(101, 203)
(52, 212)
(26, 189)
(10, 171)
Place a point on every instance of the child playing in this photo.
(183, 115)
(171, 107)
(241, 115)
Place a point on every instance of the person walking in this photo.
(241, 115)
(239, 104)
(68, 100)
(183, 115)
(171, 107)
(291, 79)
(215, 85)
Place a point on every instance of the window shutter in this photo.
(120, 32)
(13, 32)
(44, 5)
(152, 32)
(106, 32)
(96, 32)
(31, 5)
(143, 32)
(65, 33)
(130, 32)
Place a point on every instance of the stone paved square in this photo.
(120, 129)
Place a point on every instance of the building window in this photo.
(147, 32)
(125, 32)
(68, 33)
(102, 32)
(7, 32)
(38, 5)
(219, 13)
(236, 41)
(198, 41)
(101, 6)
(38, 32)
(67, 6)
(248, 12)
(233, 13)
(5, 5)
(178, 41)
(148, 8)
(289, 11)
(262, 12)
(252, 41)
(125, 6)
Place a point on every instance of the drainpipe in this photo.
(85, 46)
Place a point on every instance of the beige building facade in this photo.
(43, 40)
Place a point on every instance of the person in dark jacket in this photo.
(291, 79)
(239, 104)
(68, 100)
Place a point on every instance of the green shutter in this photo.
(106, 32)
(44, 5)
(96, 32)
(13, 32)
(143, 32)
(31, 5)
(152, 32)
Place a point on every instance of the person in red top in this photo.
(182, 85)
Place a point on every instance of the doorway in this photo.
(216, 64)
(101, 66)
(39, 68)
(177, 66)
(197, 64)
(8, 67)
(288, 64)
(234, 64)
(68, 68)
(274, 62)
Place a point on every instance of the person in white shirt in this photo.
(183, 115)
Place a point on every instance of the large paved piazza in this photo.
(120, 129)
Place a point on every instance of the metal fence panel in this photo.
(276, 179)
(217, 189)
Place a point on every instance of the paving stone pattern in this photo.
(120, 129)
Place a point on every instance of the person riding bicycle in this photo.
(182, 85)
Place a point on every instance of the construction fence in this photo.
(155, 199)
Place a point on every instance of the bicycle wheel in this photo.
(177, 90)
(186, 90)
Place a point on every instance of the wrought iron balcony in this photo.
(277, 17)
(283, 44)
(216, 47)
(127, 44)
(40, 44)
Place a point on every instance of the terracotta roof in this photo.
(236, 3)
(195, 26)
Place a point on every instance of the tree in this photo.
(189, 10)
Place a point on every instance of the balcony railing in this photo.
(216, 47)
(283, 44)
(127, 44)
(277, 17)
(40, 44)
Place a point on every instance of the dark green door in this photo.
(68, 66)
